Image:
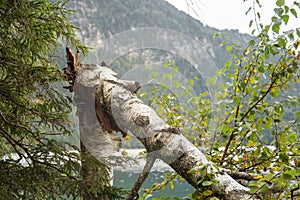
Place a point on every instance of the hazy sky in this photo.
(230, 14)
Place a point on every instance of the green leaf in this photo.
(267, 28)
(176, 84)
(261, 69)
(285, 18)
(204, 94)
(279, 11)
(192, 82)
(280, 3)
(267, 151)
(293, 137)
(276, 28)
(228, 48)
(275, 94)
(143, 95)
(207, 193)
(291, 34)
(265, 190)
(294, 12)
(293, 68)
(298, 31)
(286, 9)
(207, 183)
(287, 176)
(252, 43)
(164, 76)
(171, 184)
(154, 75)
(175, 68)
(250, 24)
(275, 19)
(196, 194)
(283, 157)
(237, 100)
(253, 189)
(257, 152)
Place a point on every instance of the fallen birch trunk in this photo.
(118, 109)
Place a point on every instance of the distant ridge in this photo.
(100, 19)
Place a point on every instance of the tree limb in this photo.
(143, 176)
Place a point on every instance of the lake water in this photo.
(127, 179)
(126, 176)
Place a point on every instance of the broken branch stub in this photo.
(73, 66)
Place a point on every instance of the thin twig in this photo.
(134, 191)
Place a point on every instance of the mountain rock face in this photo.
(100, 20)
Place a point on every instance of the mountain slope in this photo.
(101, 19)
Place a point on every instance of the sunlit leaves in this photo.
(170, 178)
(257, 130)
(261, 113)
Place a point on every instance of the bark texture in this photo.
(95, 140)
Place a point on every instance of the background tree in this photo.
(33, 110)
(258, 131)
(261, 128)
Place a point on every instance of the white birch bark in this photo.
(160, 140)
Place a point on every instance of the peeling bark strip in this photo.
(126, 113)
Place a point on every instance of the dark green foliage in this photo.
(32, 107)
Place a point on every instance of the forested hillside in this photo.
(102, 19)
